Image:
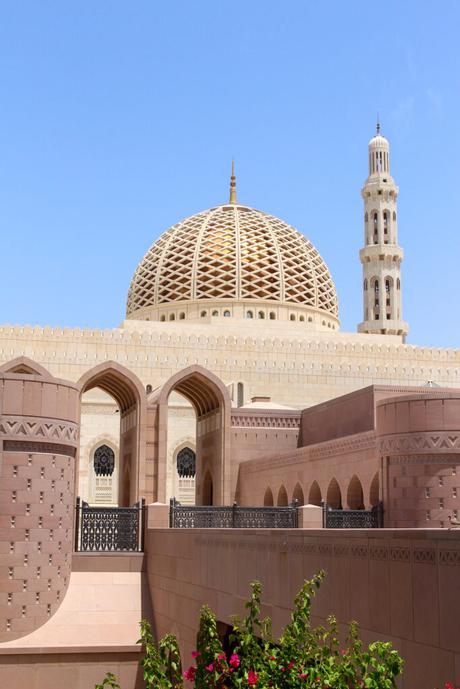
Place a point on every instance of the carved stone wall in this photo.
(38, 440)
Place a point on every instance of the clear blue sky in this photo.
(118, 119)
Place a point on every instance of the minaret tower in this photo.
(381, 256)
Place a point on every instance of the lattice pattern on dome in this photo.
(233, 252)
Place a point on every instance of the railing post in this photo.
(77, 523)
(172, 502)
(142, 518)
(234, 509)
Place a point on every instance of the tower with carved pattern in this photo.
(381, 256)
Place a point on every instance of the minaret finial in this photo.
(378, 125)
(233, 184)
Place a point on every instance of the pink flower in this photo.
(221, 657)
(291, 665)
(272, 658)
(303, 675)
(196, 654)
(252, 678)
(210, 667)
(190, 673)
(234, 660)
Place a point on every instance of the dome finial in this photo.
(233, 184)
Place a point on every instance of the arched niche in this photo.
(298, 494)
(314, 495)
(211, 401)
(334, 496)
(25, 366)
(355, 497)
(282, 497)
(129, 394)
(268, 498)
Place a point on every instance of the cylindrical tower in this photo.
(381, 256)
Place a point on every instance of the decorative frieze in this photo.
(40, 429)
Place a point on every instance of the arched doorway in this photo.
(128, 393)
(282, 497)
(355, 499)
(374, 491)
(298, 494)
(314, 496)
(210, 399)
(334, 496)
(185, 472)
(268, 498)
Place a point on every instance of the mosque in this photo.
(229, 380)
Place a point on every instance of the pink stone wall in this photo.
(400, 585)
(38, 439)
(419, 442)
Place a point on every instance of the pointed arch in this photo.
(298, 494)
(314, 496)
(268, 498)
(355, 496)
(211, 401)
(282, 497)
(374, 491)
(24, 365)
(129, 393)
(334, 495)
(117, 381)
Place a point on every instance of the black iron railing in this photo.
(109, 529)
(234, 517)
(353, 519)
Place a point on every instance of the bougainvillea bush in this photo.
(303, 657)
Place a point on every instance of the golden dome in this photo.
(228, 255)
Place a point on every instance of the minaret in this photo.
(381, 256)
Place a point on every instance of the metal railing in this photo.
(234, 517)
(353, 519)
(109, 529)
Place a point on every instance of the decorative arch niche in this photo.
(211, 401)
(129, 394)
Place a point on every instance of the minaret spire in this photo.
(233, 184)
(381, 255)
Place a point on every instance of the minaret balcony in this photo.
(380, 252)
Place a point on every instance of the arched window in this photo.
(310, 319)
(375, 218)
(162, 318)
(365, 285)
(227, 314)
(398, 283)
(272, 315)
(181, 316)
(366, 217)
(215, 313)
(240, 394)
(374, 493)
(302, 319)
(385, 222)
(334, 497)
(292, 317)
(186, 463)
(148, 389)
(172, 316)
(261, 314)
(394, 215)
(249, 314)
(104, 461)
(203, 314)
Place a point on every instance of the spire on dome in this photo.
(377, 129)
(233, 184)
